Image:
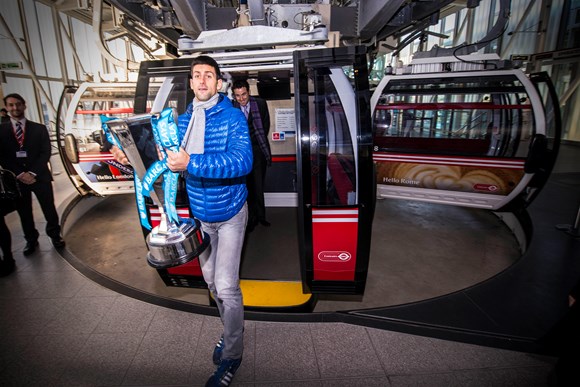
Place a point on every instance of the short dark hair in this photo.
(239, 83)
(14, 95)
(207, 60)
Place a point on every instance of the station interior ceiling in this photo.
(356, 21)
(388, 28)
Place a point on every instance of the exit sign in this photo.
(11, 66)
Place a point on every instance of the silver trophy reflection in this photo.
(171, 243)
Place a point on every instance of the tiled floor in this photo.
(58, 328)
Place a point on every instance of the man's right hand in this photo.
(119, 155)
(177, 161)
(26, 178)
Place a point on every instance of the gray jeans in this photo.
(221, 272)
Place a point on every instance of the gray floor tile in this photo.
(21, 284)
(467, 356)
(12, 347)
(92, 289)
(162, 358)
(59, 284)
(517, 376)
(43, 361)
(103, 360)
(403, 354)
(344, 350)
(127, 315)
(46, 259)
(291, 383)
(171, 320)
(79, 315)
(431, 380)
(357, 382)
(492, 377)
(29, 316)
(285, 352)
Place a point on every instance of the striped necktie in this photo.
(19, 133)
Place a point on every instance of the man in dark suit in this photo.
(256, 111)
(25, 150)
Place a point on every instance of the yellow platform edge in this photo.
(273, 294)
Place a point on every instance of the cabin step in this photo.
(275, 296)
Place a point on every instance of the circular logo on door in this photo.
(334, 256)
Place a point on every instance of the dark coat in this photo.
(37, 148)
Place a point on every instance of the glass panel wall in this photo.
(33, 61)
(534, 27)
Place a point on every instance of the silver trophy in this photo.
(170, 243)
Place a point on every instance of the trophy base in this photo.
(178, 246)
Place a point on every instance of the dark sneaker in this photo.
(217, 351)
(58, 242)
(224, 374)
(30, 248)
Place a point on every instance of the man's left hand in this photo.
(177, 161)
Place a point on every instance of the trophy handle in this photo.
(120, 129)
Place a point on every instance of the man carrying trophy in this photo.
(214, 157)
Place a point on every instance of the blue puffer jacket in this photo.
(215, 180)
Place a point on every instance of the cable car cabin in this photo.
(318, 172)
(482, 138)
(82, 144)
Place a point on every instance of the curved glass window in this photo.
(332, 158)
(475, 115)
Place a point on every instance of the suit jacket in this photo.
(263, 109)
(37, 148)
